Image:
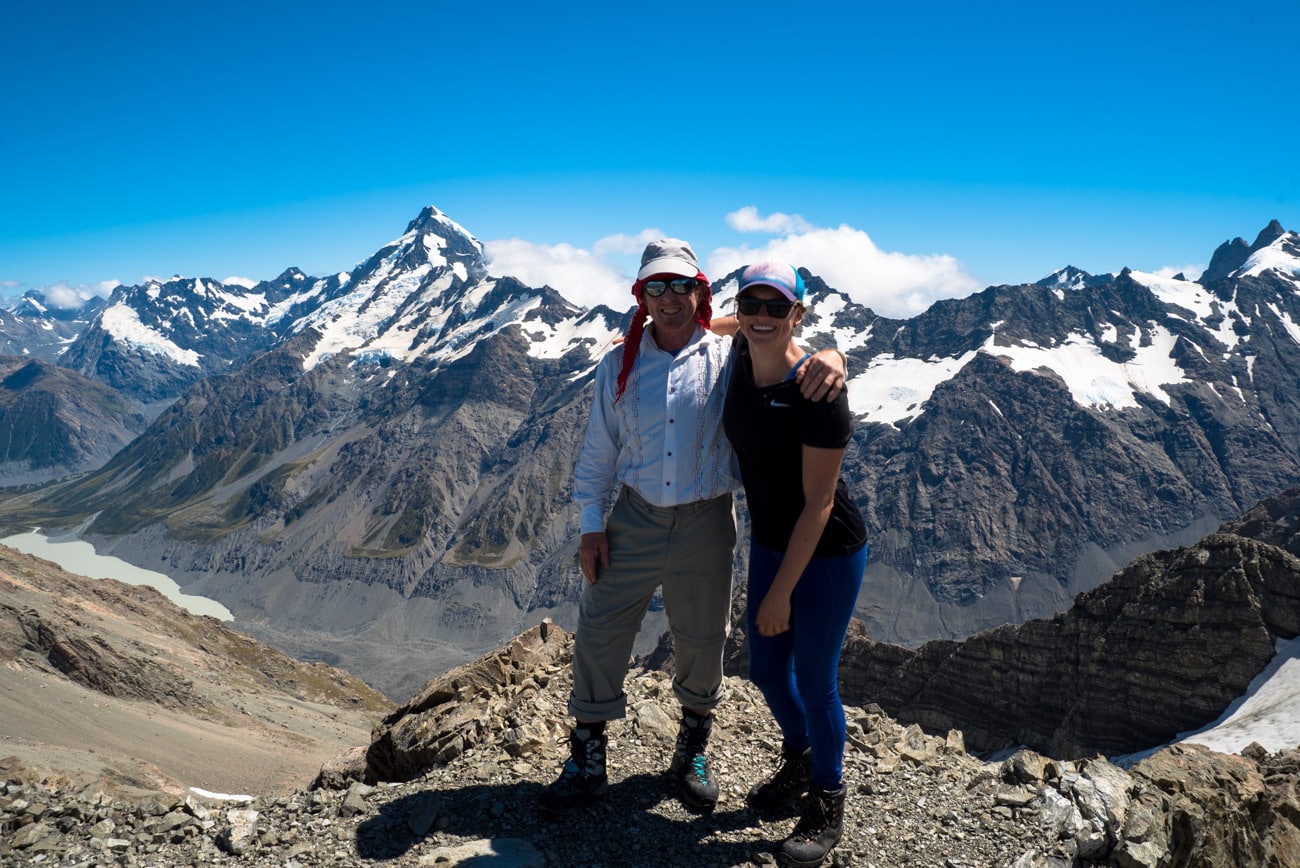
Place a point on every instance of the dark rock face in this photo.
(1161, 648)
(54, 422)
(1227, 258)
(96, 665)
(1220, 810)
(1275, 521)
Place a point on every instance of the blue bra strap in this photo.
(795, 369)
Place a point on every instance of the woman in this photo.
(808, 552)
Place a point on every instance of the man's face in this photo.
(672, 312)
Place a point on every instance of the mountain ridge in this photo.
(1012, 448)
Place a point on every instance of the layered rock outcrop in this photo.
(1161, 648)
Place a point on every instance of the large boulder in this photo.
(481, 701)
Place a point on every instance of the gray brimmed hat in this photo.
(668, 256)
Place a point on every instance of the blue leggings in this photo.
(798, 670)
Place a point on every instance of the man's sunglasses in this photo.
(679, 285)
(777, 308)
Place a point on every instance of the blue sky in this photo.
(906, 154)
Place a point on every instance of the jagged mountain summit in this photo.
(427, 297)
(426, 294)
(388, 483)
(36, 329)
(154, 340)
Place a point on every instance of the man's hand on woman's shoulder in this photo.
(823, 375)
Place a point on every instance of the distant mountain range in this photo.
(373, 468)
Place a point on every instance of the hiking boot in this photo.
(787, 785)
(583, 779)
(691, 765)
(818, 830)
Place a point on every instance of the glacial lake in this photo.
(77, 556)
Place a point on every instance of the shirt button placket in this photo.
(670, 431)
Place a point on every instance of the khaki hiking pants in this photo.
(687, 550)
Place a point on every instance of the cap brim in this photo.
(668, 265)
(785, 291)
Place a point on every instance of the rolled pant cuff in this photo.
(615, 709)
(691, 699)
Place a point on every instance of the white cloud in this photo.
(1189, 272)
(626, 245)
(892, 284)
(897, 285)
(67, 297)
(584, 277)
(747, 219)
(245, 282)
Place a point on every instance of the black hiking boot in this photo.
(690, 764)
(583, 779)
(787, 785)
(818, 830)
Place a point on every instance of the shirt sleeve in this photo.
(596, 470)
(828, 424)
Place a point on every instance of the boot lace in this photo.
(789, 777)
(812, 823)
(700, 765)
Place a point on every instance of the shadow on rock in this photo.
(639, 822)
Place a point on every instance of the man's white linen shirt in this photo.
(664, 438)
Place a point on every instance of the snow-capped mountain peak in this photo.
(428, 293)
(1280, 255)
(1067, 278)
(1274, 248)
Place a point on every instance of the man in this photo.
(655, 431)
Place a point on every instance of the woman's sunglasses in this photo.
(777, 308)
(679, 285)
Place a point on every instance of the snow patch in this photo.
(893, 390)
(1093, 379)
(1191, 296)
(1271, 258)
(553, 342)
(123, 323)
(1287, 323)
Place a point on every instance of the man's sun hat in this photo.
(668, 256)
(778, 275)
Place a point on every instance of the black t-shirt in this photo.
(768, 428)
